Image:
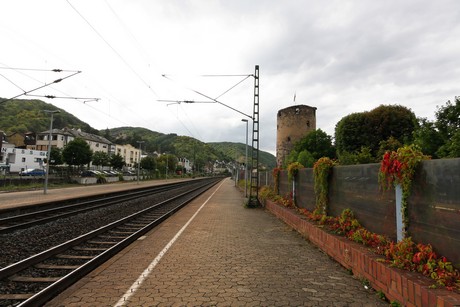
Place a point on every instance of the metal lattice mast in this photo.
(254, 189)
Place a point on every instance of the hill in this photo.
(20, 115)
(184, 146)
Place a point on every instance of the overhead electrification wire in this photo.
(12, 82)
(86, 99)
(37, 69)
(40, 87)
(210, 98)
(113, 49)
(20, 71)
(232, 87)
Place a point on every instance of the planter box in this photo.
(407, 288)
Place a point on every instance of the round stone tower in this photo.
(293, 123)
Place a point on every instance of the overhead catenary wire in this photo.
(114, 50)
(86, 99)
(212, 99)
(37, 69)
(40, 87)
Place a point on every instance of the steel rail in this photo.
(26, 220)
(62, 283)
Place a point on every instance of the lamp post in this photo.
(166, 171)
(246, 162)
(50, 135)
(139, 160)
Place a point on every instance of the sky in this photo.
(136, 62)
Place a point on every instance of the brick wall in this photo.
(407, 288)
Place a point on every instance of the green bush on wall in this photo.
(322, 170)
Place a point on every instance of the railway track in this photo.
(36, 215)
(37, 279)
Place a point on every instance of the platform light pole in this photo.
(50, 135)
(246, 161)
(139, 160)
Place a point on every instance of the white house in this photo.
(61, 137)
(19, 159)
(185, 163)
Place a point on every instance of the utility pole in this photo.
(50, 135)
(254, 189)
(139, 160)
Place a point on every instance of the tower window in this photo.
(308, 123)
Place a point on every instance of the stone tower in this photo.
(293, 123)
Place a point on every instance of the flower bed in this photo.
(407, 288)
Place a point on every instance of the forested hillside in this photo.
(20, 115)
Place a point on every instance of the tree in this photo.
(306, 158)
(167, 161)
(448, 126)
(350, 133)
(100, 158)
(317, 143)
(56, 156)
(116, 161)
(428, 138)
(149, 163)
(368, 129)
(77, 152)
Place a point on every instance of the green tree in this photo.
(101, 158)
(167, 161)
(306, 158)
(149, 163)
(317, 143)
(427, 137)
(56, 156)
(448, 125)
(77, 152)
(116, 161)
(368, 129)
(350, 133)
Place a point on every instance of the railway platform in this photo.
(10, 200)
(216, 252)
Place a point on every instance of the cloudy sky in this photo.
(139, 57)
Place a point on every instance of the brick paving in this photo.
(227, 256)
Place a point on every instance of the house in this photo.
(129, 153)
(61, 137)
(185, 164)
(19, 159)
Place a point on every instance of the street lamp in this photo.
(246, 162)
(166, 171)
(45, 189)
(139, 160)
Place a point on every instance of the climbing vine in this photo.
(398, 167)
(276, 179)
(321, 170)
(293, 170)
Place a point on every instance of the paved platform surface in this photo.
(24, 198)
(215, 252)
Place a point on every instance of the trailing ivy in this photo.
(276, 179)
(398, 167)
(293, 170)
(322, 170)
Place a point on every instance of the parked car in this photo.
(90, 173)
(32, 172)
